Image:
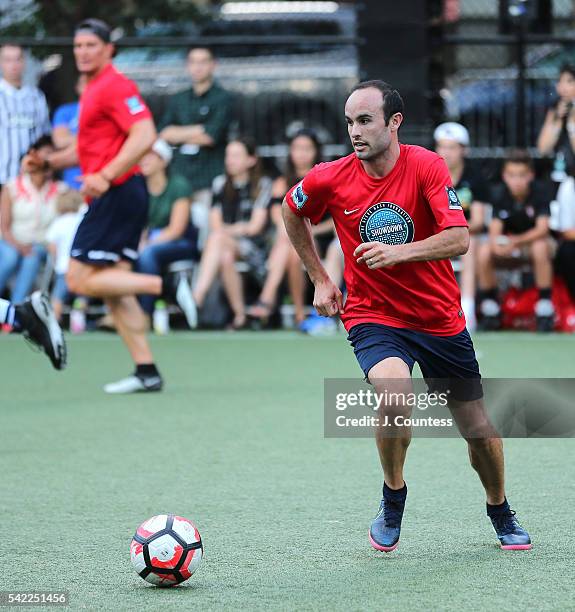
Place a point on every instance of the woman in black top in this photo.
(238, 219)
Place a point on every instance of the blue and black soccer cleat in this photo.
(386, 526)
(510, 533)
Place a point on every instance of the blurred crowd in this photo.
(215, 213)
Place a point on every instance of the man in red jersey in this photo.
(115, 130)
(399, 221)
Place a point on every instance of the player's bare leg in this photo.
(485, 450)
(132, 325)
(110, 281)
(391, 375)
(232, 283)
(485, 447)
(392, 442)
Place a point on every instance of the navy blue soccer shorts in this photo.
(112, 227)
(446, 362)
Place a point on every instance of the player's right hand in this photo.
(94, 185)
(327, 299)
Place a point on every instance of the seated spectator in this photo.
(565, 225)
(557, 135)
(451, 142)
(64, 132)
(71, 208)
(27, 208)
(304, 153)
(170, 236)
(238, 218)
(519, 232)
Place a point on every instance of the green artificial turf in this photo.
(236, 444)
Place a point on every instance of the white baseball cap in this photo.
(452, 131)
(163, 150)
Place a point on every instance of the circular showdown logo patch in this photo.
(386, 222)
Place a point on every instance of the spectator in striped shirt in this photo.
(24, 114)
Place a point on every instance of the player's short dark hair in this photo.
(207, 48)
(97, 27)
(567, 69)
(392, 101)
(519, 156)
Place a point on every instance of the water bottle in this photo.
(78, 316)
(161, 319)
(559, 173)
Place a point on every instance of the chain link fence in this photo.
(500, 73)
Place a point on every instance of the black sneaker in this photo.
(40, 327)
(510, 533)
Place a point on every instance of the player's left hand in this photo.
(94, 185)
(377, 255)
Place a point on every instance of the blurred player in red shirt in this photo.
(115, 130)
(399, 220)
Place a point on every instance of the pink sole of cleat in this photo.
(517, 547)
(379, 547)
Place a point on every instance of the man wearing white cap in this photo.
(451, 141)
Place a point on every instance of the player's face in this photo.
(303, 153)
(12, 63)
(151, 163)
(566, 87)
(91, 53)
(369, 135)
(238, 161)
(517, 177)
(451, 151)
(201, 65)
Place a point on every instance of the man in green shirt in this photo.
(197, 121)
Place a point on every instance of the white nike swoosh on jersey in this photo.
(349, 212)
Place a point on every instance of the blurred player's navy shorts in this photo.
(446, 362)
(112, 227)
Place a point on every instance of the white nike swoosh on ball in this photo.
(348, 212)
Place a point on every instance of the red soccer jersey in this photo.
(109, 106)
(414, 201)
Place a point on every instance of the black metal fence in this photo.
(502, 60)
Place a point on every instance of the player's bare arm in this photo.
(140, 138)
(451, 242)
(328, 299)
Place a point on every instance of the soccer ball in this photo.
(166, 550)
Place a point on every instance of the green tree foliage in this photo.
(58, 17)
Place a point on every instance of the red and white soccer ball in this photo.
(166, 550)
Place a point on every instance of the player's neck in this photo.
(380, 166)
(92, 75)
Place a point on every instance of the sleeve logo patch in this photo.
(299, 196)
(134, 104)
(454, 203)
